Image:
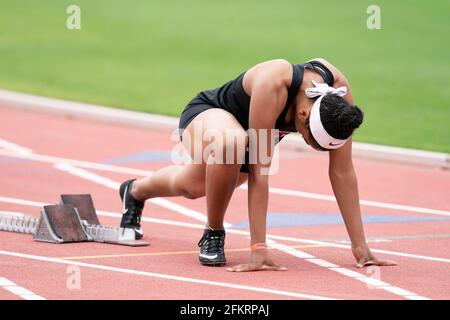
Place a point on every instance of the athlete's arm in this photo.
(267, 91)
(345, 187)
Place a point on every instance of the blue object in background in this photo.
(286, 219)
(142, 157)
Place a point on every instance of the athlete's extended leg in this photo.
(187, 181)
(177, 180)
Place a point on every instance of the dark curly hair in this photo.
(339, 118)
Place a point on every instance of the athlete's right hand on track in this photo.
(259, 261)
(365, 258)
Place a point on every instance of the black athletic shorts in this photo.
(194, 108)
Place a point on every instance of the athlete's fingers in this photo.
(376, 262)
(363, 263)
(273, 268)
(243, 267)
(379, 262)
(248, 267)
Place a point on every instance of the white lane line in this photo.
(182, 210)
(417, 298)
(12, 213)
(18, 291)
(12, 147)
(167, 276)
(375, 204)
(280, 191)
(290, 250)
(322, 263)
(233, 231)
(23, 202)
(188, 212)
(378, 283)
(402, 292)
(347, 272)
(77, 163)
(88, 175)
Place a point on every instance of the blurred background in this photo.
(154, 56)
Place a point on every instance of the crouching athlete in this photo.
(274, 97)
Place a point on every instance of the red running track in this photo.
(417, 237)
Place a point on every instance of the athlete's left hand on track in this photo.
(365, 258)
(259, 261)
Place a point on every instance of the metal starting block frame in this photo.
(74, 219)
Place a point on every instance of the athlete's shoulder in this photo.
(272, 65)
(280, 62)
(276, 71)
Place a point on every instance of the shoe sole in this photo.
(213, 263)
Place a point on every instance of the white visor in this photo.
(318, 131)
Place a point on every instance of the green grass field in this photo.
(156, 55)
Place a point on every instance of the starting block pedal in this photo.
(59, 224)
(84, 205)
(73, 220)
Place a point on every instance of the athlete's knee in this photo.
(187, 187)
(192, 192)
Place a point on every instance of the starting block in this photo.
(74, 219)
(59, 224)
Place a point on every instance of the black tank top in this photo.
(233, 98)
